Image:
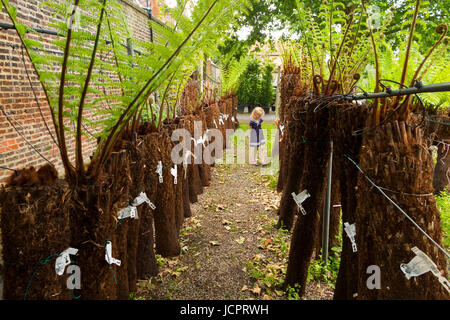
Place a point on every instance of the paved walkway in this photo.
(245, 117)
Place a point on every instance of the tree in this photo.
(249, 84)
(266, 95)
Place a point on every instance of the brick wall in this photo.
(17, 99)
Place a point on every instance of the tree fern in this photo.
(96, 74)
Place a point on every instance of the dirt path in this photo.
(232, 249)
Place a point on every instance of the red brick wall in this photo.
(153, 4)
(16, 96)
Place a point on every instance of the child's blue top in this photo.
(256, 133)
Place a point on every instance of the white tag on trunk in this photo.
(128, 212)
(420, 265)
(221, 120)
(300, 198)
(174, 172)
(226, 116)
(64, 260)
(108, 255)
(141, 199)
(159, 171)
(215, 123)
(350, 230)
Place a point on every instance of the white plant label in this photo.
(300, 198)
(140, 199)
(128, 212)
(159, 171)
(421, 264)
(174, 172)
(350, 230)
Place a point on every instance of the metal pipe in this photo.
(327, 210)
(438, 87)
(7, 26)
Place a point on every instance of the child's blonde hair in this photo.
(257, 113)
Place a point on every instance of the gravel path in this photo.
(232, 249)
(245, 117)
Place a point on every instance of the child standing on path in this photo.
(257, 140)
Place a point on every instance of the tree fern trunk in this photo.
(384, 235)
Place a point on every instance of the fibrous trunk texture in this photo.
(166, 231)
(294, 163)
(35, 230)
(289, 82)
(315, 160)
(396, 158)
(344, 120)
(93, 220)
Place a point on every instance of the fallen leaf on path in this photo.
(279, 293)
(240, 240)
(214, 243)
(256, 290)
(172, 263)
(244, 288)
(182, 269)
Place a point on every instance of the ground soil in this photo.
(230, 226)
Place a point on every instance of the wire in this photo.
(6, 115)
(438, 122)
(408, 194)
(397, 206)
(5, 168)
(36, 99)
(418, 84)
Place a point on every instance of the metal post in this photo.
(130, 47)
(278, 95)
(326, 210)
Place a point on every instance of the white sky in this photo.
(171, 3)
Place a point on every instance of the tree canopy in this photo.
(267, 16)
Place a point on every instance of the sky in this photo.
(171, 3)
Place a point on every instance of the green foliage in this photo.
(95, 73)
(231, 74)
(293, 293)
(255, 85)
(443, 204)
(267, 92)
(431, 66)
(335, 43)
(249, 83)
(319, 272)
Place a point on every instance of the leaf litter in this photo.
(238, 267)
